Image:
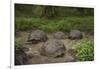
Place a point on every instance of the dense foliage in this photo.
(52, 11)
(85, 51)
(65, 24)
(53, 18)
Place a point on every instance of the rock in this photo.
(59, 35)
(37, 36)
(53, 48)
(75, 34)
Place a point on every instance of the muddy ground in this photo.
(39, 59)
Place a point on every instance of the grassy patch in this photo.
(85, 50)
(58, 24)
(17, 45)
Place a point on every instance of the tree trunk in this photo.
(48, 12)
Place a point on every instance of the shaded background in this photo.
(53, 18)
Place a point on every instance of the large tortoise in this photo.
(37, 36)
(59, 35)
(53, 48)
(29, 52)
(21, 57)
(75, 34)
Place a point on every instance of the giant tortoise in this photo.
(59, 35)
(37, 36)
(75, 34)
(53, 48)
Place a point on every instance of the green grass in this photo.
(57, 24)
(85, 50)
(17, 45)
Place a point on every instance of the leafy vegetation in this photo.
(52, 11)
(85, 51)
(53, 18)
(17, 45)
(60, 24)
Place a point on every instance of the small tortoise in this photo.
(53, 48)
(37, 36)
(59, 35)
(75, 34)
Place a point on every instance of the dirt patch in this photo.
(39, 59)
